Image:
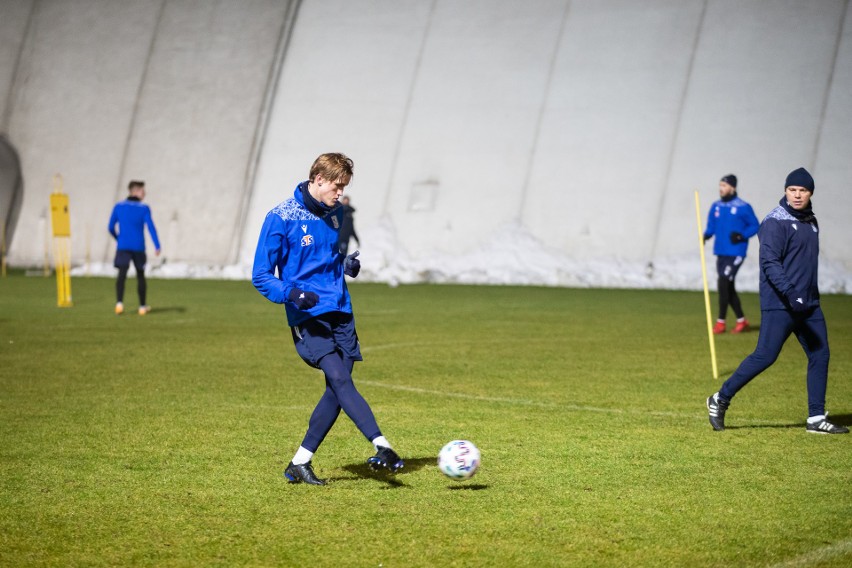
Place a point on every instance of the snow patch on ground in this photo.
(511, 257)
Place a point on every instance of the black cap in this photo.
(730, 179)
(800, 178)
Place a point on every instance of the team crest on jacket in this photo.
(307, 240)
(335, 222)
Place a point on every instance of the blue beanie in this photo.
(730, 179)
(800, 178)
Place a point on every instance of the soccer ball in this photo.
(459, 460)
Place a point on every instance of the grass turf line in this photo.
(160, 440)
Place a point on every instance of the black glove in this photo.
(797, 301)
(707, 237)
(351, 265)
(737, 237)
(303, 300)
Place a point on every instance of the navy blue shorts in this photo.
(123, 258)
(324, 334)
(728, 266)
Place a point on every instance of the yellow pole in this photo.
(60, 279)
(61, 223)
(706, 288)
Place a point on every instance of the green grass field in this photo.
(161, 440)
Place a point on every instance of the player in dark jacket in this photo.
(733, 222)
(347, 227)
(789, 303)
(299, 241)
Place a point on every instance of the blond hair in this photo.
(332, 166)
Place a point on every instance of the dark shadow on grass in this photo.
(842, 419)
(763, 426)
(468, 487)
(364, 471)
(166, 309)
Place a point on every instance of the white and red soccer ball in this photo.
(459, 460)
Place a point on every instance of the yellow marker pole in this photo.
(61, 223)
(706, 289)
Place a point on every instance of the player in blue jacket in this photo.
(298, 240)
(789, 303)
(733, 223)
(132, 216)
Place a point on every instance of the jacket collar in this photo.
(805, 215)
(304, 197)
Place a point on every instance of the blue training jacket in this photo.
(132, 216)
(303, 249)
(726, 217)
(789, 260)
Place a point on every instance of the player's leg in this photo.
(813, 336)
(119, 284)
(346, 340)
(339, 379)
(722, 286)
(775, 328)
(322, 419)
(313, 339)
(139, 260)
(734, 298)
(122, 263)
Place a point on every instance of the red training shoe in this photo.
(719, 327)
(741, 326)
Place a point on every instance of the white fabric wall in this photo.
(494, 140)
(581, 128)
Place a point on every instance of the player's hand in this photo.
(737, 237)
(707, 237)
(303, 300)
(351, 265)
(797, 301)
(157, 252)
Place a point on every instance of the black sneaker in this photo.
(717, 407)
(826, 427)
(386, 458)
(302, 472)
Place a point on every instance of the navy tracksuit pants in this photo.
(329, 342)
(775, 327)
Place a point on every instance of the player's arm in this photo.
(752, 224)
(113, 221)
(772, 244)
(710, 230)
(271, 252)
(152, 230)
